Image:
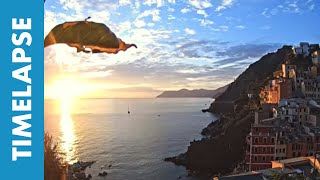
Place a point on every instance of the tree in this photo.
(54, 166)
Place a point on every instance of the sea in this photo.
(127, 146)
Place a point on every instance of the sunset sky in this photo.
(181, 43)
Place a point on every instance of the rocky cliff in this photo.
(223, 147)
(251, 80)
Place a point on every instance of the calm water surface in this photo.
(134, 144)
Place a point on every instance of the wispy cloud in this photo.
(221, 28)
(139, 23)
(189, 31)
(266, 27)
(154, 13)
(171, 9)
(205, 22)
(200, 4)
(225, 4)
(124, 2)
(289, 6)
(240, 27)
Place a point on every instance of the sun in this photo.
(67, 89)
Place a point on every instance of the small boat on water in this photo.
(128, 110)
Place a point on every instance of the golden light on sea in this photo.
(67, 129)
(66, 91)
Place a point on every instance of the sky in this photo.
(189, 44)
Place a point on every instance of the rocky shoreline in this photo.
(76, 171)
(221, 149)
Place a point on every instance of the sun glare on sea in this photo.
(66, 91)
(67, 130)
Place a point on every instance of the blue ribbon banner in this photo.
(21, 89)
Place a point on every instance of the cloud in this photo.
(185, 10)
(139, 23)
(221, 28)
(265, 12)
(291, 7)
(96, 74)
(189, 31)
(200, 4)
(159, 3)
(154, 13)
(124, 2)
(75, 5)
(202, 12)
(205, 22)
(171, 17)
(311, 7)
(240, 27)
(225, 4)
(171, 10)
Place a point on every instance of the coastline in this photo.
(199, 158)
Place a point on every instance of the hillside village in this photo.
(285, 136)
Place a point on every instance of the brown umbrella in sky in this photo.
(86, 34)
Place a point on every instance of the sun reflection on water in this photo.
(68, 137)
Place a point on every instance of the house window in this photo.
(264, 140)
(255, 158)
(256, 140)
(263, 158)
(272, 140)
(283, 150)
(263, 149)
(272, 150)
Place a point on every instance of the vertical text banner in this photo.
(21, 89)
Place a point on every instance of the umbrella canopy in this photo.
(86, 34)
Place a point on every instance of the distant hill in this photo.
(200, 93)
